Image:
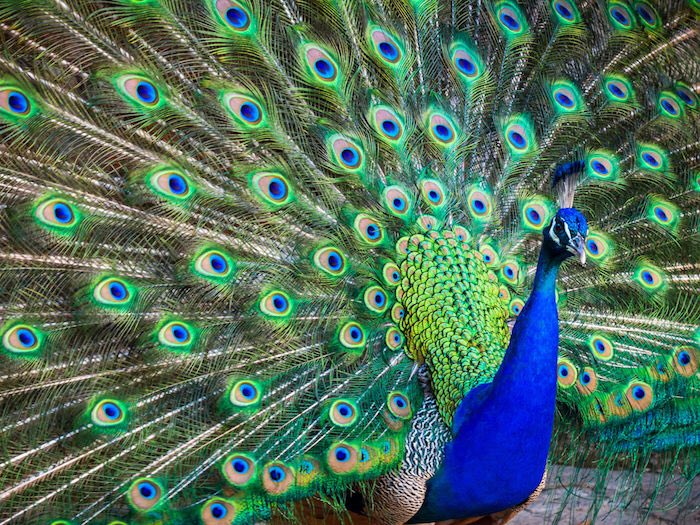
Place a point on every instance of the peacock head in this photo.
(566, 234)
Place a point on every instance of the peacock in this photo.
(402, 256)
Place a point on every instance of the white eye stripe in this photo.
(553, 235)
(568, 232)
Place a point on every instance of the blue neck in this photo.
(503, 429)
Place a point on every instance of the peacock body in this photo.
(258, 251)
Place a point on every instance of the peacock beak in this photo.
(577, 247)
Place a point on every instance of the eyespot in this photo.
(214, 265)
(510, 19)
(648, 15)
(391, 274)
(245, 110)
(397, 313)
(394, 339)
(170, 183)
(489, 255)
(441, 130)
(376, 299)
(346, 154)
(108, 413)
(597, 248)
(669, 105)
(233, 15)
(308, 470)
(58, 215)
(145, 494)
(399, 405)
(352, 335)
(176, 335)
(686, 94)
(432, 192)
(640, 396)
(461, 233)
(14, 102)
(276, 304)
(22, 339)
(617, 88)
(504, 294)
(388, 124)
(239, 469)
(601, 347)
(565, 97)
(218, 511)
(510, 272)
(620, 16)
(685, 361)
(517, 138)
(386, 47)
(663, 213)
(277, 478)
(652, 159)
(321, 66)
(139, 90)
(331, 261)
(467, 63)
(114, 292)
(245, 393)
(480, 205)
(343, 413)
(566, 373)
(272, 188)
(427, 223)
(368, 229)
(342, 458)
(397, 201)
(535, 214)
(650, 278)
(566, 11)
(587, 381)
(516, 306)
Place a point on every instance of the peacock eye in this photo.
(558, 228)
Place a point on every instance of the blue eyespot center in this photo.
(344, 410)
(177, 184)
(661, 214)
(616, 91)
(364, 455)
(510, 22)
(237, 17)
(487, 258)
(62, 213)
(117, 291)
(534, 216)
(277, 188)
(180, 333)
(146, 92)
(218, 510)
(390, 128)
(350, 156)
(479, 205)
(443, 132)
(372, 231)
(111, 410)
(517, 139)
(277, 474)
(650, 159)
(388, 50)
(400, 402)
(399, 203)
(593, 247)
(509, 271)
(646, 15)
(279, 302)
(564, 11)
(342, 454)
(324, 68)
(564, 100)
(26, 337)
(240, 466)
(395, 276)
(648, 277)
(599, 346)
(355, 334)
(248, 391)
(250, 112)
(669, 107)
(434, 196)
(619, 15)
(218, 263)
(638, 392)
(335, 262)
(684, 358)
(147, 490)
(563, 371)
(585, 378)
(599, 167)
(18, 102)
(685, 97)
(466, 66)
(379, 299)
